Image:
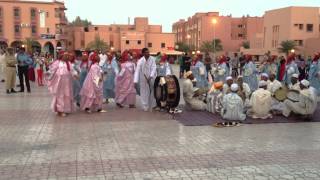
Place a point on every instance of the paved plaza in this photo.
(131, 144)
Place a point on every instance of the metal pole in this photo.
(214, 42)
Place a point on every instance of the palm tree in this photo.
(30, 44)
(213, 46)
(98, 44)
(246, 44)
(183, 47)
(207, 47)
(287, 46)
(217, 44)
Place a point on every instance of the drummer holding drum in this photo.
(306, 103)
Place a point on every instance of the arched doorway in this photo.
(16, 44)
(48, 48)
(3, 45)
(36, 47)
(59, 45)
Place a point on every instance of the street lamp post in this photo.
(214, 22)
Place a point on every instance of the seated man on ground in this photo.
(295, 84)
(215, 97)
(227, 85)
(273, 86)
(244, 91)
(307, 104)
(190, 96)
(261, 102)
(233, 105)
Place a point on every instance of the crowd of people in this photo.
(26, 66)
(235, 87)
(95, 78)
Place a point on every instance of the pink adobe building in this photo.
(124, 37)
(44, 22)
(231, 31)
(299, 24)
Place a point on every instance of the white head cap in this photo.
(265, 75)
(187, 74)
(295, 75)
(234, 87)
(229, 78)
(305, 83)
(263, 83)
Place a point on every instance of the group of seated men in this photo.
(234, 100)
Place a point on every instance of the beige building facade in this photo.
(231, 31)
(119, 37)
(43, 22)
(299, 24)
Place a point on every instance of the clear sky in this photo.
(166, 12)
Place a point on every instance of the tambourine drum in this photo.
(293, 95)
(281, 94)
(167, 93)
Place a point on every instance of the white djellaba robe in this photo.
(214, 101)
(307, 104)
(247, 91)
(273, 86)
(233, 107)
(260, 104)
(192, 102)
(146, 69)
(295, 87)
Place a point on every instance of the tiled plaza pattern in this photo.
(131, 144)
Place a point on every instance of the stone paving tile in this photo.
(130, 144)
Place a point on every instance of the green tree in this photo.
(30, 44)
(246, 44)
(98, 44)
(287, 46)
(183, 47)
(81, 22)
(211, 46)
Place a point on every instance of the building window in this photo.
(301, 26)
(17, 29)
(48, 30)
(163, 45)
(127, 42)
(16, 12)
(240, 35)
(299, 42)
(47, 14)
(150, 45)
(1, 13)
(86, 29)
(139, 42)
(33, 14)
(240, 26)
(70, 43)
(1, 30)
(111, 43)
(110, 28)
(96, 28)
(34, 29)
(309, 27)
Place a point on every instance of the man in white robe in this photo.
(261, 102)
(244, 91)
(145, 75)
(273, 86)
(295, 84)
(215, 97)
(233, 106)
(190, 96)
(227, 85)
(307, 104)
